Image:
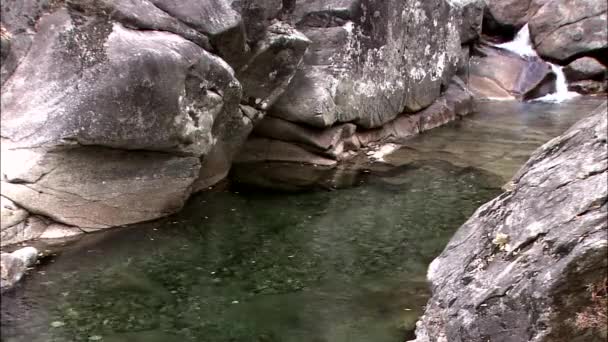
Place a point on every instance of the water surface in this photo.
(334, 266)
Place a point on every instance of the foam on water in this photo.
(522, 45)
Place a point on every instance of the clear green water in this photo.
(333, 266)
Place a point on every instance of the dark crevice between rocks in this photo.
(496, 32)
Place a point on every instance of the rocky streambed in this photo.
(240, 264)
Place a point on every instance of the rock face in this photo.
(343, 97)
(501, 74)
(344, 76)
(115, 111)
(518, 270)
(564, 29)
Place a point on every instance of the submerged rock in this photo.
(519, 268)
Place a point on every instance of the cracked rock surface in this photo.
(518, 269)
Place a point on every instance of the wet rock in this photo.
(258, 149)
(564, 29)
(13, 266)
(589, 87)
(495, 73)
(519, 268)
(457, 101)
(323, 141)
(586, 68)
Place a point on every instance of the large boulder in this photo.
(103, 125)
(565, 29)
(496, 73)
(520, 268)
(586, 68)
(354, 42)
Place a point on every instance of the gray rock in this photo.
(94, 187)
(563, 29)
(586, 68)
(323, 141)
(457, 101)
(354, 43)
(272, 64)
(11, 214)
(19, 18)
(14, 265)
(122, 89)
(519, 268)
(470, 18)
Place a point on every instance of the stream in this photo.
(244, 264)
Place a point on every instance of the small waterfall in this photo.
(561, 87)
(522, 45)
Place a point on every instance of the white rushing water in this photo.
(522, 45)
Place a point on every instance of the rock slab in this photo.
(518, 269)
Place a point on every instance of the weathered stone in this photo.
(470, 18)
(12, 214)
(30, 228)
(272, 64)
(122, 89)
(354, 42)
(13, 266)
(457, 101)
(18, 18)
(519, 268)
(500, 74)
(563, 29)
(110, 187)
(586, 68)
(259, 149)
(323, 140)
(145, 15)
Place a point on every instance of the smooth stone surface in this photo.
(563, 29)
(586, 68)
(110, 188)
(497, 74)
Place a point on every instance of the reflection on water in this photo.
(499, 138)
(333, 266)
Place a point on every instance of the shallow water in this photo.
(333, 266)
